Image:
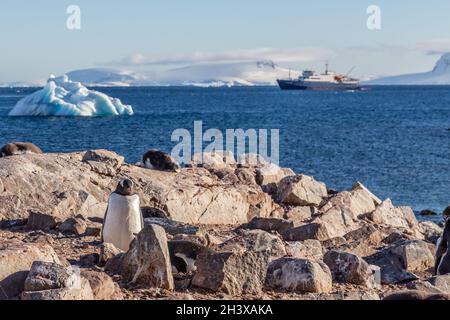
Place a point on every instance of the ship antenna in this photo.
(351, 70)
(326, 68)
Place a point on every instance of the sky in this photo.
(152, 34)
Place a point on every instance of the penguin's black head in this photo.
(125, 188)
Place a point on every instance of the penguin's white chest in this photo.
(123, 220)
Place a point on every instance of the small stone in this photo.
(103, 287)
(269, 224)
(75, 226)
(89, 260)
(427, 213)
(108, 251)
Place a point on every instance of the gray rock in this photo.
(349, 268)
(16, 259)
(103, 287)
(415, 295)
(269, 224)
(234, 273)
(255, 241)
(431, 231)
(107, 252)
(441, 282)
(308, 249)
(41, 221)
(400, 260)
(316, 231)
(414, 255)
(173, 227)
(148, 260)
(103, 162)
(50, 281)
(75, 226)
(298, 275)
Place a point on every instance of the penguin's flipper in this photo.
(442, 247)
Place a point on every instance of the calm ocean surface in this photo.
(393, 139)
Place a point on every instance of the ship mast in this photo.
(326, 68)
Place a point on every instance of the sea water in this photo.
(396, 140)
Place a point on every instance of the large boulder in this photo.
(16, 259)
(341, 213)
(415, 255)
(148, 260)
(401, 260)
(349, 268)
(60, 185)
(301, 190)
(298, 275)
(50, 281)
(234, 273)
(66, 185)
(398, 217)
(255, 241)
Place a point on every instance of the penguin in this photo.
(183, 255)
(17, 148)
(123, 218)
(158, 160)
(442, 265)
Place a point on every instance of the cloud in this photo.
(236, 56)
(435, 46)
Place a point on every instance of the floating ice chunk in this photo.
(65, 98)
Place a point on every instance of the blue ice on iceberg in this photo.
(65, 98)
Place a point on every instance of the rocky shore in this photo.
(215, 230)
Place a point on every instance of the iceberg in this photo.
(65, 98)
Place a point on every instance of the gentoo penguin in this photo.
(442, 253)
(158, 160)
(123, 219)
(17, 148)
(183, 255)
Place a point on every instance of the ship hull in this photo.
(301, 85)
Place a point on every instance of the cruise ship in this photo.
(310, 80)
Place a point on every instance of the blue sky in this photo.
(35, 42)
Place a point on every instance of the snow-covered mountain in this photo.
(106, 77)
(202, 75)
(440, 75)
(226, 74)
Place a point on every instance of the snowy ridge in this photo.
(440, 75)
